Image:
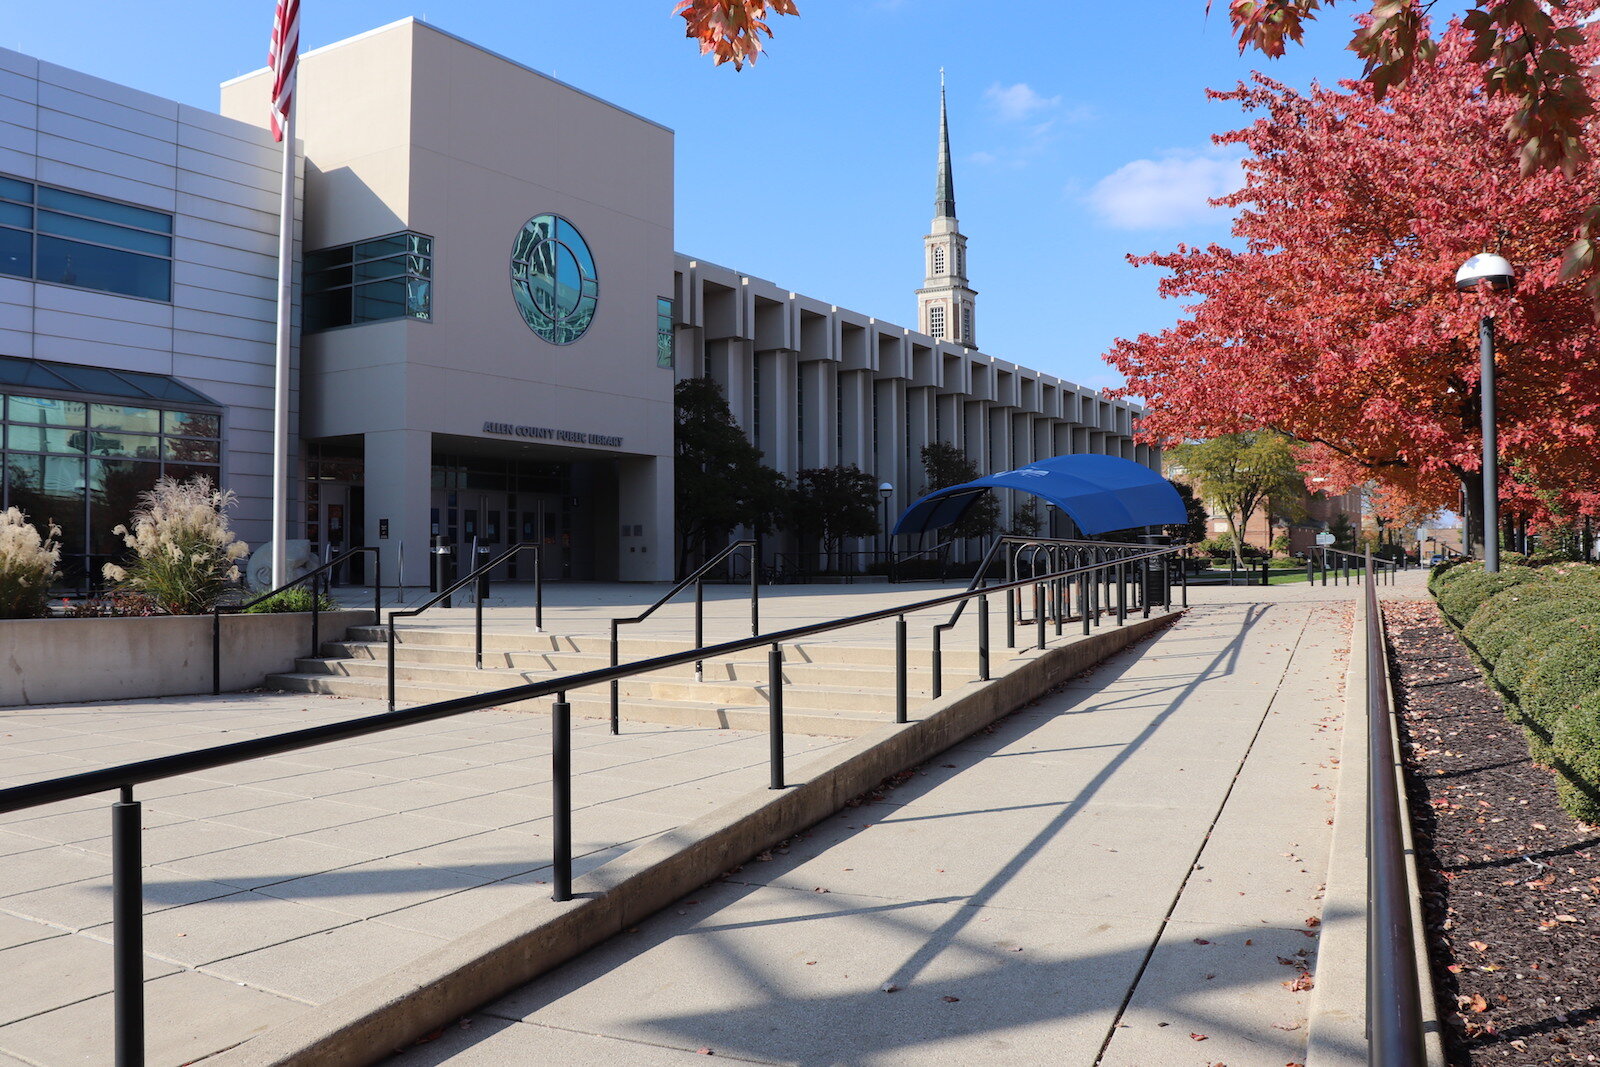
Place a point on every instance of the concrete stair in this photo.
(829, 689)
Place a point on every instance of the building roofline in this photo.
(412, 19)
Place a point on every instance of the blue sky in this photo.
(1079, 135)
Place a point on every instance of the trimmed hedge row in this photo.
(1536, 631)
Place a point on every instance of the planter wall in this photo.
(57, 661)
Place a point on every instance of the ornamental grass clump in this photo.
(184, 555)
(27, 566)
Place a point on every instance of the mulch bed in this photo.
(1510, 881)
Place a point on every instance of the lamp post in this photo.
(885, 491)
(1496, 272)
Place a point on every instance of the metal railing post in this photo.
(699, 627)
(775, 712)
(127, 926)
(900, 669)
(561, 788)
(1122, 595)
(1038, 610)
(216, 651)
(938, 663)
(1083, 597)
(391, 663)
(755, 592)
(1011, 618)
(983, 639)
(477, 612)
(616, 693)
(316, 617)
(377, 584)
(538, 586)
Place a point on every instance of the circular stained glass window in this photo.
(553, 279)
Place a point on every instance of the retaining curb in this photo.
(369, 1023)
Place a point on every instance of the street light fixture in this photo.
(885, 491)
(1495, 272)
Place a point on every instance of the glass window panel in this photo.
(190, 424)
(16, 253)
(324, 311)
(191, 450)
(114, 489)
(47, 411)
(26, 372)
(161, 387)
(94, 207)
(380, 268)
(92, 379)
(422, 266)
(185, 472)
(326, 258)
(323, 280)
(44, 439)
(131, 445)
(419, 298)
(104, 233)
(118, 417)
(383, 246)
(16, 215)
(421, 245)
(376, 301)
(106, 269)
(12, 189)
(49, 489)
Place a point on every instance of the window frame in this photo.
(34, 232)
(414, 279)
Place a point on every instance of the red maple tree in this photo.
(1335, 319)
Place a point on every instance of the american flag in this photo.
(282, 58)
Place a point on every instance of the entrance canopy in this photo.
(1100, 493)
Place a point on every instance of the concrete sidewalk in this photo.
(1128, 872)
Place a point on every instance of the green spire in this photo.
(944, 198)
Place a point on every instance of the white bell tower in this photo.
(946, 304)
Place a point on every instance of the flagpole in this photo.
(280, 408)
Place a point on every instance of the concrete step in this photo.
(596, 705)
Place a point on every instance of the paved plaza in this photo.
(1117, 867)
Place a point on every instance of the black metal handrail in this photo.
(697, 578)
(1394, 994)
(127, 927)
(1351, 566)
(476, 575)
(316, 606)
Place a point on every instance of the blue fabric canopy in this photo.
(1100, 493)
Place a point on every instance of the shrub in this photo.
(1460, 596)
(183, 551)
(27, 565)
(1576, 754)
(1567, 672)
(1449, 570)
(1524, 594)
(1494, 641)
(299, 598)
(1512, 666)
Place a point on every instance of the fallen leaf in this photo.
(1313, 921)
(1197, 1037)
(890, 987)
(1302, 982)
(1201, 941)
(951, 1000)
(1479, 945)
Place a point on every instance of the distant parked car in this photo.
(1435, 559)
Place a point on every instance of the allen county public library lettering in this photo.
(488, 333)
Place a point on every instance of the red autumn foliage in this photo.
(730, 30)
(1335, 320)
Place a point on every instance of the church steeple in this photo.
(946, 304)
(944, 198)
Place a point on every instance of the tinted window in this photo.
(108, 269)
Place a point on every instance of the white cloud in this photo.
(1151, 194)
(1019, 102)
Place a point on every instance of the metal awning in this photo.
(75, 379)
(1100, 493)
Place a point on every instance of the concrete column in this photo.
(778, 410)
(920, 417)
(816, 414)
(857, 408)
(644, 498)
(399, 476)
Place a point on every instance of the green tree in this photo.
(944, 465)
(721, 481)
(1026, 520)
(1193, 530)
(1344, 532)
(830, 504)
(1241, 472)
